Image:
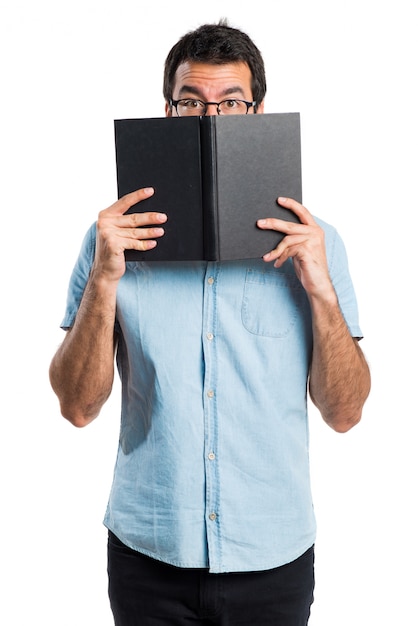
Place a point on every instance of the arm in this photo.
(339, 376)
(82, 370)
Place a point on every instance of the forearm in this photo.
(339, 377)
(82, 370)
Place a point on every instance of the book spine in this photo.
(209, 187)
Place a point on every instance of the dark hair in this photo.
(218, 44)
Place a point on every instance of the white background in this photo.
(68, 70)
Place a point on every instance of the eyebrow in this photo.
(196, 92)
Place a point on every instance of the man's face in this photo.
(212, 83)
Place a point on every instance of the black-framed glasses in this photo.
(191, 106)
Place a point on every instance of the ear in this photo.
(260, 108)
(168, 110)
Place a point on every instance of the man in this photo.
(210, 514)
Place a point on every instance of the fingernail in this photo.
(148, 190)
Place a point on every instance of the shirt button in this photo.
(211, 280)
(211, 393)
(212, 517)
(211, 456)
(209, 336)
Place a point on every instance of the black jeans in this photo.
(146, 592)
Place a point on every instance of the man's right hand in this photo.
(117, 232)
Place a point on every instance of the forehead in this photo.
(210, 78)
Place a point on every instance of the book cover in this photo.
(214, 177)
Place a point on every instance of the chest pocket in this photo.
(274, 303)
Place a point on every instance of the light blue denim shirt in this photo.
(212, 468)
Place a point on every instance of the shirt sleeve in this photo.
(341, 279)
(79, 277)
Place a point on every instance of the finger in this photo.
(140, 239)
(133, 225)
(298, 209)
(126, 202)
(286, 248)
(136, 220)
(282, 226)
(139, 234)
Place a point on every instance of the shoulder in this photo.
(88, 246)
(335, 247)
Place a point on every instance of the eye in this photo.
(230, 104)
(191, 104)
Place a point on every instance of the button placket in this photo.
(210, 412)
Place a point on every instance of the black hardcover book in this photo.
(214, 177)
